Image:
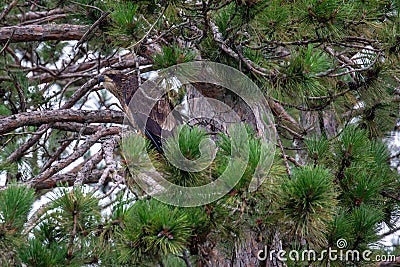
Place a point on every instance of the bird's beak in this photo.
(101, 79)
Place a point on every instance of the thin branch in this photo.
(149, 31)
(84, 37)
(284, 156)
(8, 42)
(61, 164)
(8, 9)
(43, 20)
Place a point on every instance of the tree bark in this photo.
(47, 32)
(69, 178)
(13, 122)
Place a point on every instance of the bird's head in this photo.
(112, 80)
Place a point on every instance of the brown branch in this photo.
(42, 32)
(292, 132)
(217, 36)
(294, 161)
(75, 127)
(82, 69)
(284, 156)
(79, 152)
(15, 121)
(43, 20)
(56, 155)
(7, 43)
(73, 231)
(35, 15)
(8, 9)
(279, 111)
(85, 36)
(388, 195)
(48, 77)
(87, 167)
(68, 178)
(17, 154)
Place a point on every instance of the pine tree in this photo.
(69, 194)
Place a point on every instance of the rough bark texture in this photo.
(13, 122)
(29, 33)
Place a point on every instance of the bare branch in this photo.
(79, 152)
(85, 36)
(8, 9)
(42, 32)
(13, 122)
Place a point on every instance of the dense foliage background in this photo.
(329, 69)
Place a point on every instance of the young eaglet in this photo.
(124, 87)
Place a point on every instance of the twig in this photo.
(55, 156)
(149, 31)
(295, 162)
(73, 233)
(284, 156)
(90, 6)
(7, 43)
(8, 9)
(97, 22)
(108, 151)
(43, 20)
(75, 155)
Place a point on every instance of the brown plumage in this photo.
(123, 87)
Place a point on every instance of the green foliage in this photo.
(340, 228)
(224, 16)
(362, 174)
(351, 145)
(301, 73)
(16, 202)
(274, 18)
(308, 202)
(35, 253)
(259, 159)
(137, 153)
(188, 152)
(153, 230)
(365, 222)
(125, 21)
(172, 55)
(341, 183)
(75, 208)
(317, 148)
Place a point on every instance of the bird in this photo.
(155, 125)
